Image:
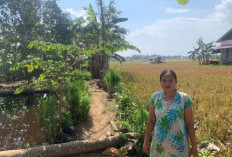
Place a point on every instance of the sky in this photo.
(164, 27)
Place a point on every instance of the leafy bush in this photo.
(79, 75)
(126, 106)
(132, 118)
(112, 80)
(78, 99)
(66, 119)
(75, 104)
(48, 115)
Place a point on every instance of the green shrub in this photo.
(84, 106)
(126, 105)
(131, 117)
(79, 75)
(66, 119)
(139, 121)
(75, 104)
(112, 80)
(48, 115)
(78, 99)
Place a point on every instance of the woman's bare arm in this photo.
(188, 117)
(150, 127)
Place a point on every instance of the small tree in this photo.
(54, 61)
(103, 35)
(202, 53)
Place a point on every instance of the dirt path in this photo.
(101, 112)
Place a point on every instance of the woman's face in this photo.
(168, 82)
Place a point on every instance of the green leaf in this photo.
(182, 2)
(18, 91)
(54, 82)
(30, 68)
(41, 77)
(36, 66)
(92, 13)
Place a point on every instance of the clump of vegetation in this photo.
(75, 106)
(77, 96)
(48, 116)
(205, 153)
(131, 116)
(202, 53)
(112, 79)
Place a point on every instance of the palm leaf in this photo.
(92, 13)
(118, 58)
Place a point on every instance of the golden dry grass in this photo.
(209, 86)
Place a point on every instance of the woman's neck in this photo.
(169, 95)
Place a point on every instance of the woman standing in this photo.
(170, 115)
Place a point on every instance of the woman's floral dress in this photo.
(170, 133)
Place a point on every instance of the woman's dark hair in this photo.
(168, 71)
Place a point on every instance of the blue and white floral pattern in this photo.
(170, 133)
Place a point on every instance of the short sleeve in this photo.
(187, 102)
(152, 99)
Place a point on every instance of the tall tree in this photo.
(104, 35)
(20, 23)
(57, 24)
(23, 21)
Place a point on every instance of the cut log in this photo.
(69, 148)
(10, 93)
(7, 90)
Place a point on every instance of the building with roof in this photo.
(225, 48)
(155, 60)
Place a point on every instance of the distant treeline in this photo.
(146, 57)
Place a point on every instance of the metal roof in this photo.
(222, 47)
(217, 49)
(226, 36)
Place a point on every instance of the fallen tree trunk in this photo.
(10, 93)
(7, 90)
(69, 148)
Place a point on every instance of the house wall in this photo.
(226, 56)
(226, 42)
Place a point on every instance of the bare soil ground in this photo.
(102, 110)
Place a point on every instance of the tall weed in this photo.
(112, 80)
(131, 116)
(48, 115)
(78, 99)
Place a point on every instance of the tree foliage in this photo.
(23, 21)
(202, 52)
(90, 32)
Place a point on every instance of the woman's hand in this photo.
(146, 148)
(193, 152)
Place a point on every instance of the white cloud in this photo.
(223, 11)
(80, 13)
(177, 36)
(171, 10)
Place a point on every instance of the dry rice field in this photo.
(210, 87)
